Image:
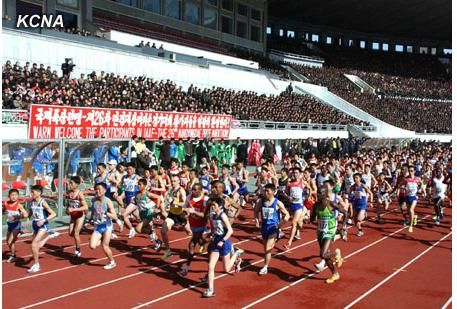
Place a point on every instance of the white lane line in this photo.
(90, 262)
(395, 273)
(118, 279)
(447, 303)
(314, 273)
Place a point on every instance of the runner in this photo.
(231, 208)
(205, 179)
(129, 188)
(147, 208)
(41, 214)
(295, 191)
(195, 208)
(370, 181)
(174, 202)
(269, 206)
(102, 213)
(221, 244)
(412, 185)
(76, 208)
(14, 212)
(242, 178)
(358, 197)
(384, 190)
(324, 211)
(439, 189)
(230, 184)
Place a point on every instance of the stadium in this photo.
(226, 153)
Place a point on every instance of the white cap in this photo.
(112, 162)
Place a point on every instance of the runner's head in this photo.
(270, 191)
(197, 190)
(130, 169)
(75, 181)
(154, 170)
(357, 178)
(101, 167)
(175, 181)
(100, 189)
(217, 187)
(193, 173)
(13, 195)
(215, 203)
(36, 191)
(142, 184)
(225, 169)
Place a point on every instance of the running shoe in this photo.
(183, 273)
(53, 234)
(238, 251)
(114, 236)
(435, 217)
(415, 220)
(238, 262)
(338, 258)
(110, 265)
(121, 225)
(349, 221)
(166, 255)
(157, 244)
(281, 234)
(286, 246)
(333, 278)
(405, 222)
(152, 236)
(320, 266)
(297, 236)
(437, 222)
(441, 214)
(410, 229)
(11, 259)
(132, 233)
(263, 271)
(77, 253)
(209, 293)
(35, 268)
(360, 233)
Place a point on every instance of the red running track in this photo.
(374, 270)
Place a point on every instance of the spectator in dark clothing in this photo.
(189, 152)
(165, 155)
(201, 152)
(144, 159)
(242, 152)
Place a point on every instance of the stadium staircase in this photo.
(360, 83)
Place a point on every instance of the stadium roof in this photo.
(415, 19)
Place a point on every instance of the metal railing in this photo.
(270, 125)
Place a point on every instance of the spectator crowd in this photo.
(23, 86)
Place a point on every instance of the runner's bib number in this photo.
(267, 213)
(323, 225)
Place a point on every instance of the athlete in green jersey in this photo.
(148, 209)
(324, 210)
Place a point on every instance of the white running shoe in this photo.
(35, 268)
(121, 225)
(263, 271)
(53, 234)
(152, 236)
(113, 236)
(11, 259)
(320, 266)
(77, 253)
(110, 265)
(132, 233)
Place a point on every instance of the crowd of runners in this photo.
(205, 198)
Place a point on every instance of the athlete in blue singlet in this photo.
(41, 214)
(358, 197)
(102, 213)
(269, 206)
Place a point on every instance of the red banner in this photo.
(54, 122)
